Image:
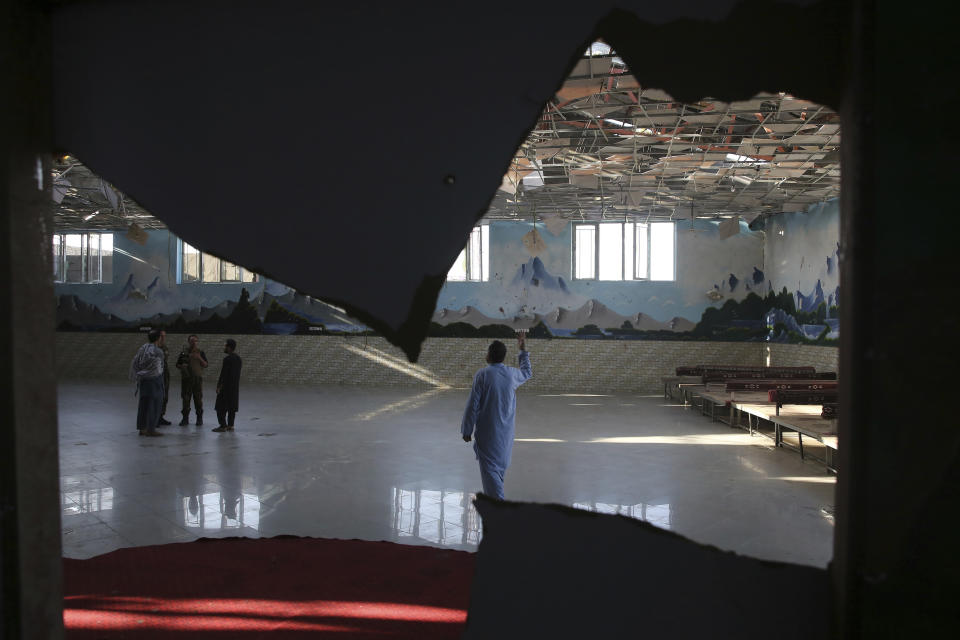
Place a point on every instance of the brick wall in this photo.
(801, 355)
(571, 366)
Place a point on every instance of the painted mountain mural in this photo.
(133, 307)
(534, 290)
(781, 284)
(534, 298)
(780, 317)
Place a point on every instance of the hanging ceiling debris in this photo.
(606, 147)
(87, 201)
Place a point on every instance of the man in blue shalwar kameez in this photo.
(491, 411)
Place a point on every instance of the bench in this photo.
(721, 376)
(823, 430)
(804, 420)
(773, 400)
(715, 394)
(701, 369)
(817, 394)
(693, 376)
(677, 383)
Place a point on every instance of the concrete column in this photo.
(30, 564)
(897, 570)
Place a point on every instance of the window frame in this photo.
(59, 258)
(224, 265)
(575, 249)
(673, 258)
(634, 274)
(477, 248)
(244, 276)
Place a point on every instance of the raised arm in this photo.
(523, 358)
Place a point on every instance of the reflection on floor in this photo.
(389, 464)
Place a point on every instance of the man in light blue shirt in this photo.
(491, 411)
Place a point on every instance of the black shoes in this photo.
(164, 422)
(199, 419)
(184, 422)
(220, 429)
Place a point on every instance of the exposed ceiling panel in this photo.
(773, 153)
(87, 201)
(607, 147)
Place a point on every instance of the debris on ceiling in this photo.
(84, 200)
(606, 147)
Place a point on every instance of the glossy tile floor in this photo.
(389, 464)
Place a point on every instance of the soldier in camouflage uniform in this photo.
(191, 362)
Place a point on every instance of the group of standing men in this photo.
(488, 420)
(150, 370)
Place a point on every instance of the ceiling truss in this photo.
(607, 148)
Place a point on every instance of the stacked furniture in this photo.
(783, 403)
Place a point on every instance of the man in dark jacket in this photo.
(228, 387)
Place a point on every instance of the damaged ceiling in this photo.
(607, 147)
(84, 200)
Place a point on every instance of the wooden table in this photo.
(715, 398)
(804, 420)
(670, 383)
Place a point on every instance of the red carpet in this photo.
(282, 587)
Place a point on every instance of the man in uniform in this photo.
(191, 362)
(491, 412)
(228, 387)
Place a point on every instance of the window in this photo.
(196, 266)
(662, 252)
(190, 261)
(585, 250)
(473, 263)
(83, 257)
(642, 241)
(624, 251)
(229, 272)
